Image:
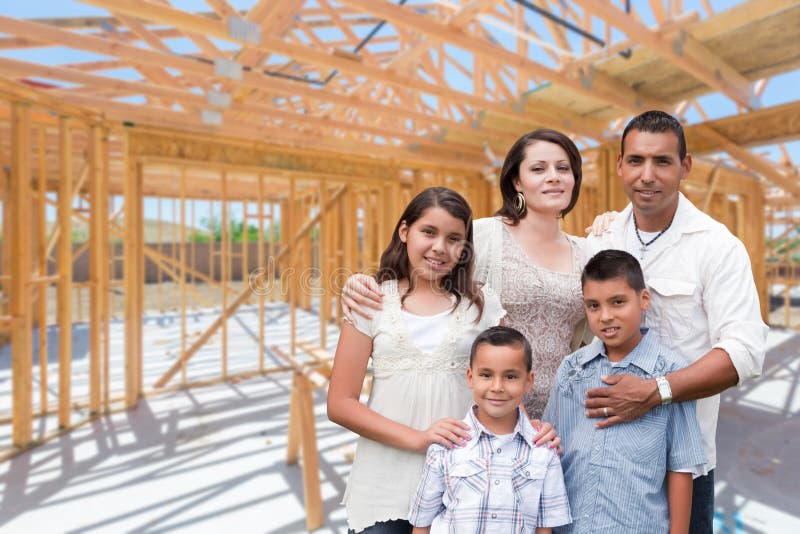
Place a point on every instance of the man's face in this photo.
(651, 172)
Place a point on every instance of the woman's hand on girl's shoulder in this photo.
(359, 294)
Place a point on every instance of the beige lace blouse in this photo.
(546, 306)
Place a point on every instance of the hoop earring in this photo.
(520, 204)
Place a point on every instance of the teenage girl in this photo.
(419, 344)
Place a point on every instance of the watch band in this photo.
(664, 390)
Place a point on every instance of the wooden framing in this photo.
(65, 197)
(20, 202)
(311, 161)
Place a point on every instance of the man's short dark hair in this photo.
(610, 264)
(503, 336)
(655, 121)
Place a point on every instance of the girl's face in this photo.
(545, 178)
(434, 243)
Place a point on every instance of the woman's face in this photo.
(545, 178)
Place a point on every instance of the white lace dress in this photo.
(413, 388)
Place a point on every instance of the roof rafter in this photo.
(684, 51)
(251, 79)
(205, 26)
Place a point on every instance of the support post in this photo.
(183, 270)
(223, 260)
(96, 271)
(65, 273)
(41, 249)
(20, 233)
(133, 276)
(262, 285)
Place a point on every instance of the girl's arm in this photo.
(344, 408)
(679, 498)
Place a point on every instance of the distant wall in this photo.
(202, 261)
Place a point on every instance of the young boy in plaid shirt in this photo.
(500, 480)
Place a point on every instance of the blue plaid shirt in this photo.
(616, 477)
(487, 487)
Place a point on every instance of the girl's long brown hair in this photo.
(458, 282)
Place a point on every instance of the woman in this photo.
(524, 256)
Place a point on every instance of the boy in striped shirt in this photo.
(500, 481)
(632, 477)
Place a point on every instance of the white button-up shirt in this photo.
(703, 296)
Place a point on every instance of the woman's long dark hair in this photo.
(458, 282)
(515, 157)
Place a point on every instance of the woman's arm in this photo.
(359, 294)
(344, 408)
(679, 498)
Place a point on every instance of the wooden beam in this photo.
(606, 89)
(157, 117)
(764, 126)
(133, 276)
(760, 165)
(255, 112)
(252, 79)
(244, 294)
(20, 306)
(685, 52)
(41, 255)
(623, 96)
(65, 198)
(96, 269)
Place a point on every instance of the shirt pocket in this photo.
(469, 480)
(528, 480)
(643, 441)
(675, 308)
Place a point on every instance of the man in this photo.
(704, 299)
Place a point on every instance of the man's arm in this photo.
(679, 499)
(734, 321)
(421, 530)
(631, 397)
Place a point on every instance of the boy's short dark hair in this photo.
(503, 336)
(655, 121)
(610, 264)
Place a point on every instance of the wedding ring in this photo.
(605, 411)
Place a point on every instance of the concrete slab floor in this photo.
(213, 459)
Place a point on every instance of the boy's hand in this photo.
(447, 433)
(626, 398)
(360, 292)
(546, 434)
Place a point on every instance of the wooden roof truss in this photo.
(433, 80)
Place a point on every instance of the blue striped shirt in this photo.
(616, 477)
(494, 484)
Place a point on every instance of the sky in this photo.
(781, 89)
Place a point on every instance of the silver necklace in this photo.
(643, 246)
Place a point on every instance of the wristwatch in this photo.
(664, 390)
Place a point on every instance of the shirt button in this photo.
(498, 451)
(597, 447)
(496, 482)
(494, 516)
(527, 473)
